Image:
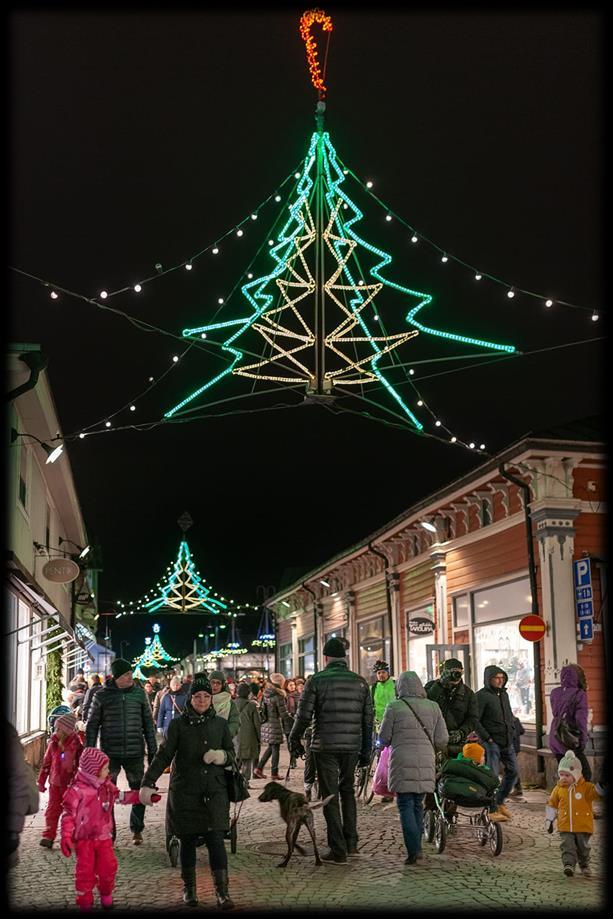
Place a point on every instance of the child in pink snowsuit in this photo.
(87, 826)
(59, 767)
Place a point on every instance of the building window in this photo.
(460, 612)
(420, 632)
(496, 640)
(286, 661)
(373, 643)
(306, 656)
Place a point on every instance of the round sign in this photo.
(61, 570)
(532, 628)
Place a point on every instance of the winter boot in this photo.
(220, 879)
(190, 895)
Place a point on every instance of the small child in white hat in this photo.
(570, 804)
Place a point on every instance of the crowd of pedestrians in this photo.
(198, 726)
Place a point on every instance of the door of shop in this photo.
(435, 654)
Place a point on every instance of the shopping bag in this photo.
(379, 785)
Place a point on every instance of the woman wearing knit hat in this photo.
(571, 804)
(199, 746)
(59, 767)
(277, 724)
(87, 827)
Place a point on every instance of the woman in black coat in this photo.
(198, 745)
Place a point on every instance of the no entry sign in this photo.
(532, 628)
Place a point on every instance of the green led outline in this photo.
(201, 590)
(287, 244)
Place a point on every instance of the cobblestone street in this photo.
(527, 875)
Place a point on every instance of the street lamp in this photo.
(53, 453)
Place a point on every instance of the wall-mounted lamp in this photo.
(53, 453)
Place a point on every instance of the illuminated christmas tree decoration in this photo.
(154, 655)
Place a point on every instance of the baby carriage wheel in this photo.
(495, 838)
(428, 825)
(174, 847)
(440, 834)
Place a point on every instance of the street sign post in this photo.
(532, 628)
(584, 598)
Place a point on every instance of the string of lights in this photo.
(511, 290)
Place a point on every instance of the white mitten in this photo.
(145, 795)
(216, 757)
(80, 725)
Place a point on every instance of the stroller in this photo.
(450, 811)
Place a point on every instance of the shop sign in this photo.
(532, 628)
(421, 625)
(61, 570)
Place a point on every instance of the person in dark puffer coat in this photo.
(274, 728)
(121, 715)
(495, 729)
(340, 702)
(198, 745)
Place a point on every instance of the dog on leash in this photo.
(296, 811)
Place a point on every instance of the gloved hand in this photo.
(146, 795)
(296, 749)
(363, 760)
(80, 726)
(216, 757)
(66, 845)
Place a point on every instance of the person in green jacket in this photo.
(383, 691)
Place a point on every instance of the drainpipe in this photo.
(388, 597)
(37, 363)
(535, 612)
(316, 634)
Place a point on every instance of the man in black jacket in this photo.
(340, 703)
(495, 728)
(457, 702)
(122, 715)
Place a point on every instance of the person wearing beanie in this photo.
(121, 715)
(277, 723)
(457, 702)
(247, 741)
(224, 704)
(87, 827)
(468, 781)
(59, 767)
(571, 804)
(198, 745)
(383, 692)
(339, 703)
(495, 729)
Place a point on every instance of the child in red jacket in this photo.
(87, 826)
(59, 767)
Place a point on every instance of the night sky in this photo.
(139, 139)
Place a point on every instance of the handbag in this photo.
(235, 783)
(380, 780)
(568, 734)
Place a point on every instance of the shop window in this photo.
(460, 611)
(420, 632)
(374, 643)
(496, 640)
(503, 602)
(306, 656)
(286, 660)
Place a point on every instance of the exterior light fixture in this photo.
(427, 526)
(324, 582)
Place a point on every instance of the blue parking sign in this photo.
(586, 629)
(583, 572)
